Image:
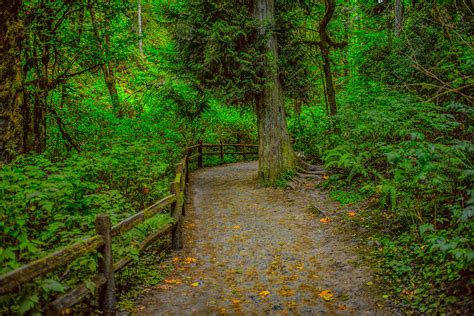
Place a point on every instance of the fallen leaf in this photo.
(370, 283)
(175, 260)
(195, 284)
(325, 177)
(236, 227)
(264, 293)
(189, 260)
(351, 214)
(287, 292)
(325, 220)
(326, 295)
(342, 307)
(235, 301)
(172, 281)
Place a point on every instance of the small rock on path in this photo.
(259, 251)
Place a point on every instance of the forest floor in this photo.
(255, 250)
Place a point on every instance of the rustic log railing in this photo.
(105, 232)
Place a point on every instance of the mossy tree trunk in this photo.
(11, 94)
(275, 151)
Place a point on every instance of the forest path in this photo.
(251, 250)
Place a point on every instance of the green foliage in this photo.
(217, 44)
(402, 138)
(415, 159)
(282, 182)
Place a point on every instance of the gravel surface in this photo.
(261, 251)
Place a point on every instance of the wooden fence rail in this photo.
(105, 232)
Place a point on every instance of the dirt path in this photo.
(251, 250)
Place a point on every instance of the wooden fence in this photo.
(105, 232)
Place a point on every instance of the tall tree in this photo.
(11, 34)
(231, 47)
(275, 151)
(325, 43)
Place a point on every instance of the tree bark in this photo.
(11, 88)
(275, 151)
(398, 16)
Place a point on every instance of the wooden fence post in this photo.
(244, 149)
(200, 154)
(222, 152)
(176, 213)
(186, 166)
(107, 291)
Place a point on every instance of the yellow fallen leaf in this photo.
(236, 227)
(351, 214)
(189, 260)
(264, 293)
(326, 295)
(175, 260)
(325, 177)
(235, 301)
(325, 220)
(172, 281)
(195, 284)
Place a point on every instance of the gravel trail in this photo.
(260, 251)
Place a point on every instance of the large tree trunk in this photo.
(11, 94)
(275, 151)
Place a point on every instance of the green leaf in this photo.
(50, 285)
(27, 303)
(425, 227)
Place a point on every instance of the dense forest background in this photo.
(99, 98)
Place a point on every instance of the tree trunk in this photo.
(329, 84)
(109, 76)
(275, 151)
(325, 43)
(140, 33)
(11, 89)
(398, 16)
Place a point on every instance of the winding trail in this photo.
(260, 251)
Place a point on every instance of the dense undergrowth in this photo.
(401, 141)
(400, 154)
